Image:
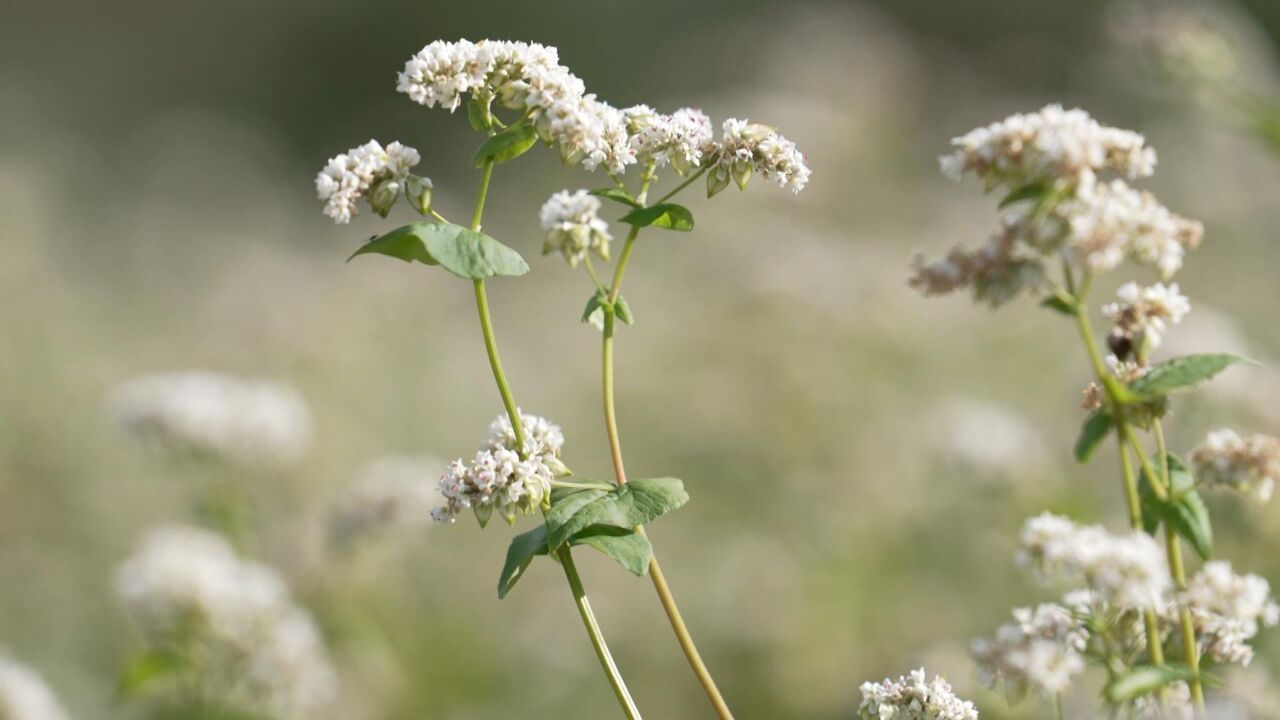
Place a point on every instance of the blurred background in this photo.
(860, 458)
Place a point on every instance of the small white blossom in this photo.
(1228, 610)
(1175, 704)
(573, 225)
(913, 698)
(368, 171)
(587, 131)
(186, 585)
(1144, 313)
(1127, 571)
(1248, 464)
(1047, 145)
(393, 492)
(248, 422)
(499, 478)
(1109, 222)
(1042, 650)
(24, 694)
(747, 147)
(677, 139)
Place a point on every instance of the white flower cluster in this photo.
(573, 225)
(1042, 650)
(1049, 162)
(913, 697)
(243, 421)
(1248, 464)
(1127, 571)
(186, 585)
(1141, 317)
(500, 478)
(746, 147)
(678, 139)
(368, 171)
(393, 491)
(1175, 705)
(24, 694)
(1228, 610)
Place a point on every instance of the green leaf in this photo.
(1092, 434)
(405, 243)
(145, 669)
(617, 195)
(472, 255)
(663, 215)
(1060, 304)
(1183, 511)
(596, 302)
(635, 503)
(522, 550)
(1144, 680)
(624, 311)
(629, 548)
(506, 145)
(1184, 372)
(1026, 192)
(478, 114)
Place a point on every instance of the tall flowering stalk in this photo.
(517, 95)
(1132, 593)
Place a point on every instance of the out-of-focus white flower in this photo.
(989, 438)
(24, 694)
(1190, 41)
(1175, 704)
(1143, 314)
(1050, 144)
(395, 491)
(572, 222)
(913, 697)
(368, 171)
(747, 147)
(1042, 650)
(500, 478)
(677, 139)
(1248, 464)
(248, 422)
(186, 585)
(1228, 610)
(1109, 222)
(1127, 571)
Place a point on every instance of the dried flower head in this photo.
(1248, 464)
(394, 491)
(501, 478)
(747, 147)
(187, 589)
(378, 175)
(913, 697)
(1228, 610)
(1127, 571)
(1041, 650)
(1142, 316)
(247, 422)
(573, 225)
(24, 694)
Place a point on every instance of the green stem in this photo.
(1057, 706)
(669, 606)
(1190, 648)
(687, 182)
(508, 400)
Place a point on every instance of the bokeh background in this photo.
(860, 458)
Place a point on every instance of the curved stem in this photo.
(508, 400)
(687, 182)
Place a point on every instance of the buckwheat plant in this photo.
(517, 95)
(1067, 215)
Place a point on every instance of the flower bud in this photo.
(417, 191)
(384, 195)
(717, 180)
(742, 172)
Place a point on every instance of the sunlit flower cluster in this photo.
(189, 592)
(1141, 317)
(501, 478)
(1248, 464)
(677, 139)
(1049, 164)
(747, 147)
(24, 694)
(571, 220)
(1228, 610)
(913, 697)
(369, 171)
(393, 491)
(247, 422)
(1126, 570)
(1041, 650)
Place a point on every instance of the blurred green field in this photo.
(859, 458)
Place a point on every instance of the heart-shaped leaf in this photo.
(663, 215)
(627, 506)
(405, 243)
(522, 550)
(1184, 372)
(1183, 511)
(617, 195)
(506, 145)
(629, 548)
(1092, 434)
(462, 251)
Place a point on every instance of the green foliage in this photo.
(506, 145)
(1183, 511)
(1144, 680)
(1030, 191)
(1060, 304)
(478, 114)
(522, 550)
(600, 302)
(1183, 372)
(149, 667)
(1094, 431)
(597, 301)
(668, 216)
(617, 195)
(629, 548)
(462, 251)
(626, 506)
(623, 311)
